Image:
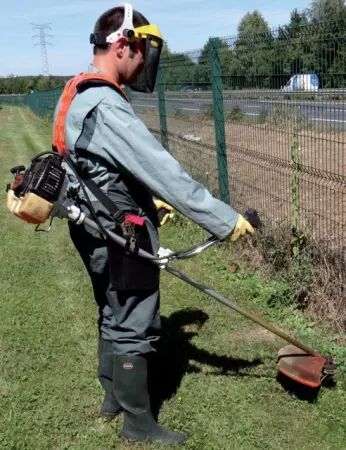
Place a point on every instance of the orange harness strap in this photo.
(69, 92)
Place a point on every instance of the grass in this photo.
(217, 371)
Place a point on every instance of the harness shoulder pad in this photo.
(77, 84)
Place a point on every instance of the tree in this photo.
(178, 69)
(252, 24)
(328, 17)
(295, 48)
(298, 20)
(253, 51)
(326, 10)
(25, 84)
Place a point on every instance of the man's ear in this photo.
(120, 47)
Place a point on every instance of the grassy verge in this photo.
(217, 374)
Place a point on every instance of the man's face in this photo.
(134, 60)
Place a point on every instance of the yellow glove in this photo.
(241, 228)
(164, 211)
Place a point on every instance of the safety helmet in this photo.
(150, 35)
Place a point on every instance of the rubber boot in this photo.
(131, 390)
(110, 407)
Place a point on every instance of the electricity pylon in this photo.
(42, 35)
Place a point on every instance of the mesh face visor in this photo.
(145, 81)
(152, 40)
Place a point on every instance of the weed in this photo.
(179, 113)
(295, 190)
(316, 278)
(263, 115)
(207, 112)
(281, 117)
(236, 114)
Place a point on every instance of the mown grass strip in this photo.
(217, 372)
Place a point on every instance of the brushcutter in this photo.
(37, 194)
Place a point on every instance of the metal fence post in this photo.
(219, 119)
(162, 108)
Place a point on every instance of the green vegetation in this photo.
(179, 113)
(258, 57)
(217, 372)
(27, 84)
(236, 114)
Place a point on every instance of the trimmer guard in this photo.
(300, 366)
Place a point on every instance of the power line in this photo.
(42, 35)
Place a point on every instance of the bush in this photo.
(263, 115)
(236, 114)
(208, 112)
(179, 114)
(314, 278)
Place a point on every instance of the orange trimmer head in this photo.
(304, 368)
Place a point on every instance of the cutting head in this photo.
(303, 368)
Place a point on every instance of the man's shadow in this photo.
(175, 352)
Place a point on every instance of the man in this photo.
(111, 146)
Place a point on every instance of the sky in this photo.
(185, 24)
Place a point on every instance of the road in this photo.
(326, 112)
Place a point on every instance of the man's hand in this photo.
(241, 228)
(164, 211)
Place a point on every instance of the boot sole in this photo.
(109, 415)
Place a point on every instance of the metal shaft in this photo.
(214, 294)
(222, 299)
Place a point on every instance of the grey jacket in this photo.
(114, 147)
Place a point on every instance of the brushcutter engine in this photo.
(32, 193)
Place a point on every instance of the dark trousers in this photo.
(129, 319)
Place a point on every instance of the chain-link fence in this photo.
(12, 99)
(260, 119)
(42, 103)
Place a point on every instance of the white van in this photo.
(302, 82)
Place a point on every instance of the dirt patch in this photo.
(254, 334)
